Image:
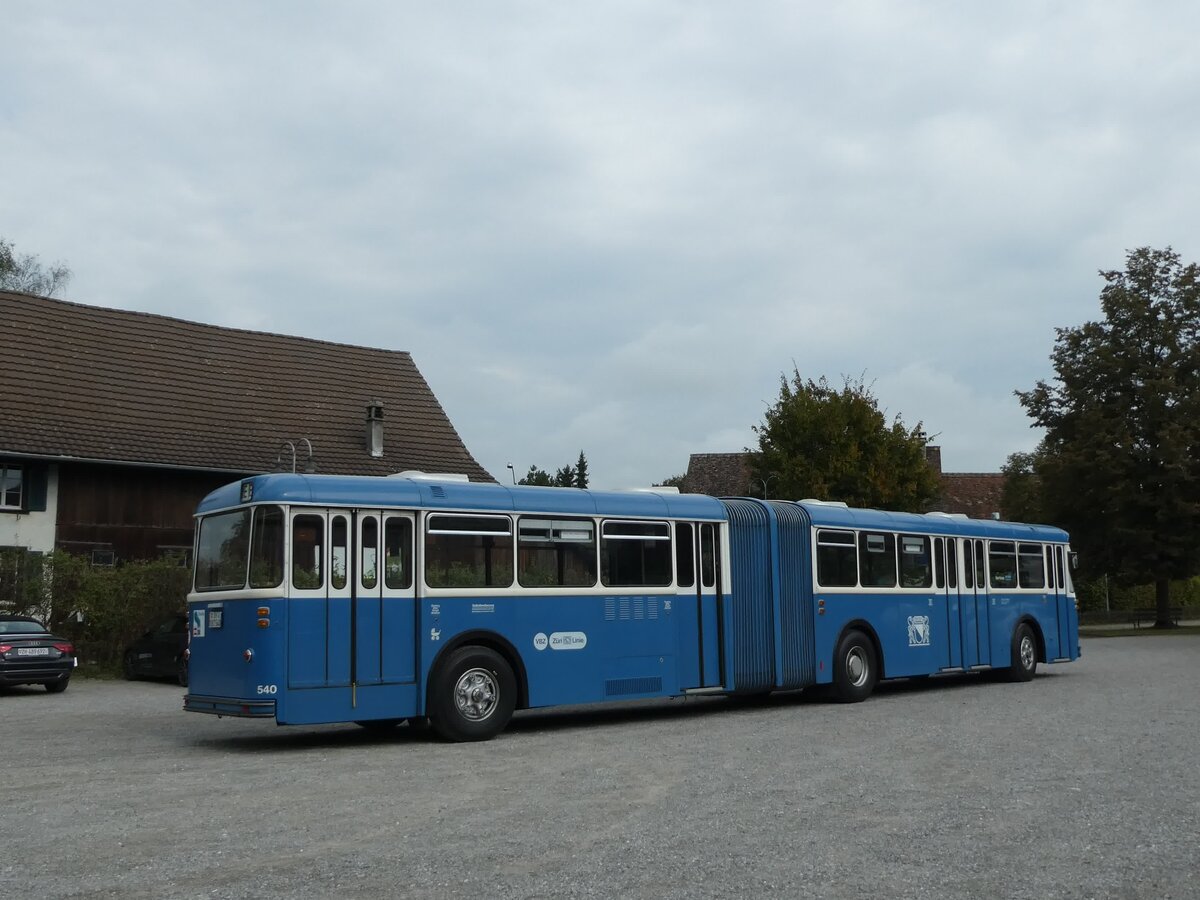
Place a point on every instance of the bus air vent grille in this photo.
(619, 687)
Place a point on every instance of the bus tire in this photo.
(855, 670)
(1024, 654)
(472, 695)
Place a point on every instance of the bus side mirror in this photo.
(1074, 558)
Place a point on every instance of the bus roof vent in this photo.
(417, 475)
(838, 503)
(946, 515)
(656, 489)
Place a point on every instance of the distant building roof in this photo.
(975, 494)
(717, 474)
(88, 383)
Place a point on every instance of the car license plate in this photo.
(33, 651)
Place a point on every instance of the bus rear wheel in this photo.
(472, 695)
(854, 668)
(1024, 654)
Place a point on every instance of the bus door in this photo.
(697, 552)
(319, 603)
(712, 627)
(968, 628)
(945, 567)
(385, 609)
(982, 619)
(1056, 580)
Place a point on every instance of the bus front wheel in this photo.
(472, 696)
(1024, 654)
(854, 668)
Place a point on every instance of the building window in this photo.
(10, 487)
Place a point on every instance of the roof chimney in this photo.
(375, 428)
(933, 456)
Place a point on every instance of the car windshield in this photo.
(21, 626)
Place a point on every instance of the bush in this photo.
(1095, 594)
(101, 609)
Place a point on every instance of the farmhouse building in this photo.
(114, 424)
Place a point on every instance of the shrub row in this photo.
(101, 609)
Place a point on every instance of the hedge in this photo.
(102, 609)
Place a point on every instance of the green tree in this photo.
(1021, 496)
(537, 477)
(674, 481)
(836, 444)
(26, 273)
(1121, 467)
(567, 476)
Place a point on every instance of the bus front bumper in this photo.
(229, 706)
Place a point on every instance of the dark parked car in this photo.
(29, 654)
(160, 652)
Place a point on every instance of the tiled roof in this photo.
(717, 474)
(977, 494)
(105, 384)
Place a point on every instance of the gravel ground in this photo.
(1079, 784)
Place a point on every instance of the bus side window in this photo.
(635, 554)
(968, 564)
(980, 574)
(266, 548)
(1059, 580)
(1031, 566)
(837, 558)
(952, 562)
(685, 555)
(397, 552)
(877, 560)
(708, 556)
(339, 550)
(939, 563)
(308, 547)
(370, 551)
(1002, 562)
(915, 570)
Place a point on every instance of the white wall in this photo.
(35, 530)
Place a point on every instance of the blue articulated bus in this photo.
(321, 599)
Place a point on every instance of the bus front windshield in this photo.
(225, 551)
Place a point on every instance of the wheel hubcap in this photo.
(476, 694)
(856, 666)
(1028, 654)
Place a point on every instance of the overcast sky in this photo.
(612, 226)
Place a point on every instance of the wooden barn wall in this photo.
(136, 513)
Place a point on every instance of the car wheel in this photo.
(472, 695)
(854, 670)
(57, 687)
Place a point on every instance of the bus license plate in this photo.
(33, 651)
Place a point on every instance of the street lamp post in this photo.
(764, 482)
(512, 471)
